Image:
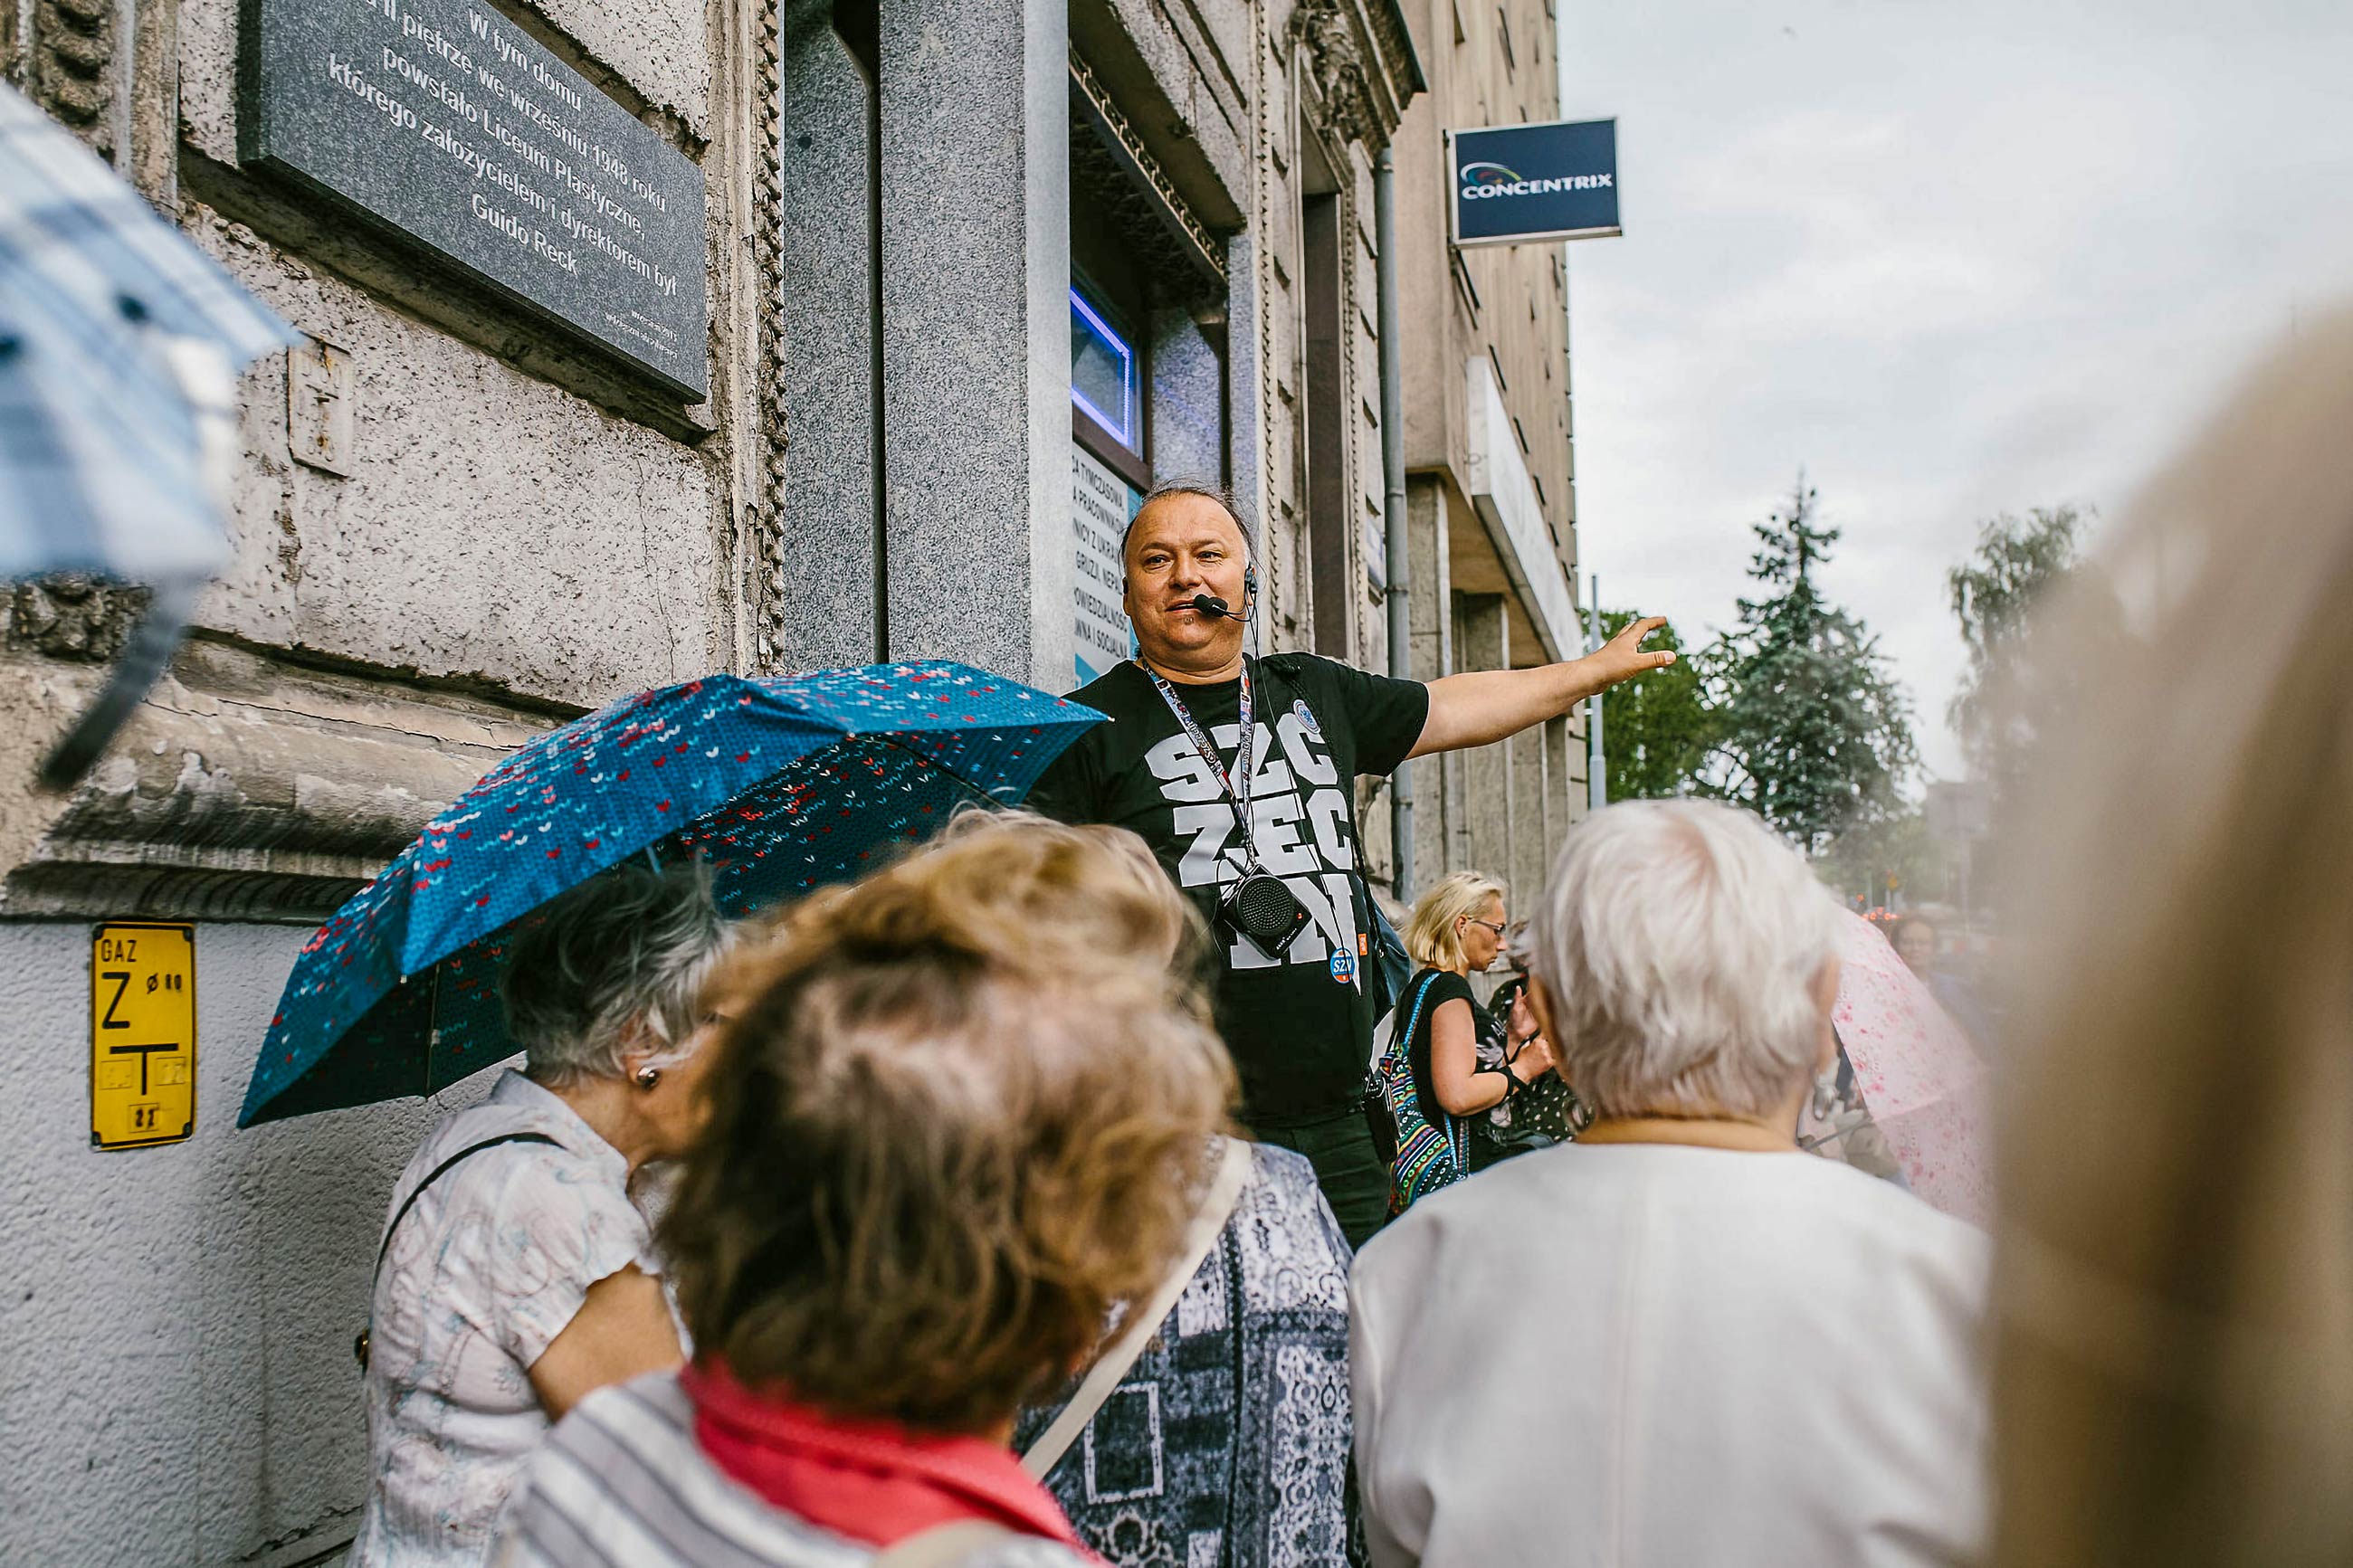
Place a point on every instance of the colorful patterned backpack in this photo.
(1430, 1152)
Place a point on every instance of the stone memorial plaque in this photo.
(444, 120)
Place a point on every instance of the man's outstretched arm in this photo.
(1484, 705)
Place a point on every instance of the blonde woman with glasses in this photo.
(1466, 1064)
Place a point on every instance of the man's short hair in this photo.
(1218, 493)
(1680, 942)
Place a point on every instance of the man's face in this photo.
(1182, 546)
(1916, 946)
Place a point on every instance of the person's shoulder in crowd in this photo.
(622, 1480)
(1902, 1226)
(1316, 670)
(1796, 1193)
(1284, 1210)
(1445, 986)
(1111, 689)
(520, 1177)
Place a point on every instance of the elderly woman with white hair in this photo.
(1677, 1341)
(515, 1275)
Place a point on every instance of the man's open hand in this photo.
(1479, 707)
(1623, 655)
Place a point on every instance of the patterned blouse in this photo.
(486, 1269)
(1226, 1445)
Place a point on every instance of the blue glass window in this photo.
(1102, 373)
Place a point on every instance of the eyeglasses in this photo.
(1499, 929)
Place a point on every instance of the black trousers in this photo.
(1349, 1170)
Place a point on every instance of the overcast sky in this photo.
(1954, 258)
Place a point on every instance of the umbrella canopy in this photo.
(1919, 1077)
(781, 784)
(118, 340)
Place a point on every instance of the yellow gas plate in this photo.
(143, 1034)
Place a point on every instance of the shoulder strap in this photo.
(433, 1175)
(942, 1546)
(1401, 1043)
(1217, 1206)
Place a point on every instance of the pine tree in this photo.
(1815, 734)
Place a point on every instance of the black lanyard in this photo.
(1239, 792)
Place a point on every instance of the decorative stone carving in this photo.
(73, 615)
(73, 46)
(1336, 64)
(1157, 219)
(767, 520)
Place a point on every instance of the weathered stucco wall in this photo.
(524, 530)
(176, 1333)
(494, 527)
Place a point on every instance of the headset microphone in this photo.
(1213, 606)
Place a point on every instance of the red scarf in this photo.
(870, 1480)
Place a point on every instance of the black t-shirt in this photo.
(1486, 1036)
(1300, 1026)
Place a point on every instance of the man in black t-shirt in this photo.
(1296, 1011)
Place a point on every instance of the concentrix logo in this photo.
(1484, 182)
(1561, 179)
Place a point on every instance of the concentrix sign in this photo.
(1555, 181)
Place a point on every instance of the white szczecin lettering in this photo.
(1296, 785)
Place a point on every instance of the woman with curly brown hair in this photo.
(944, 1146)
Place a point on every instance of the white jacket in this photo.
(1658, 1356)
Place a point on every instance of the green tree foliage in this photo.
(1814, 733)
(1657, 732)
(2019, 561)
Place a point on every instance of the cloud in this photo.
(1953, 260)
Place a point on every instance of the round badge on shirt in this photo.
(1344, 966)
(1299, 710)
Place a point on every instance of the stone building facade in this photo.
(1490, 487)
(457, 523)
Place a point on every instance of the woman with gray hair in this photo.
(515, 1275)
(1678, 1340)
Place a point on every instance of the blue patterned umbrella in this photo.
(781, 784)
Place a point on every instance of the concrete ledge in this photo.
(245, 786)
(1497, 480)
